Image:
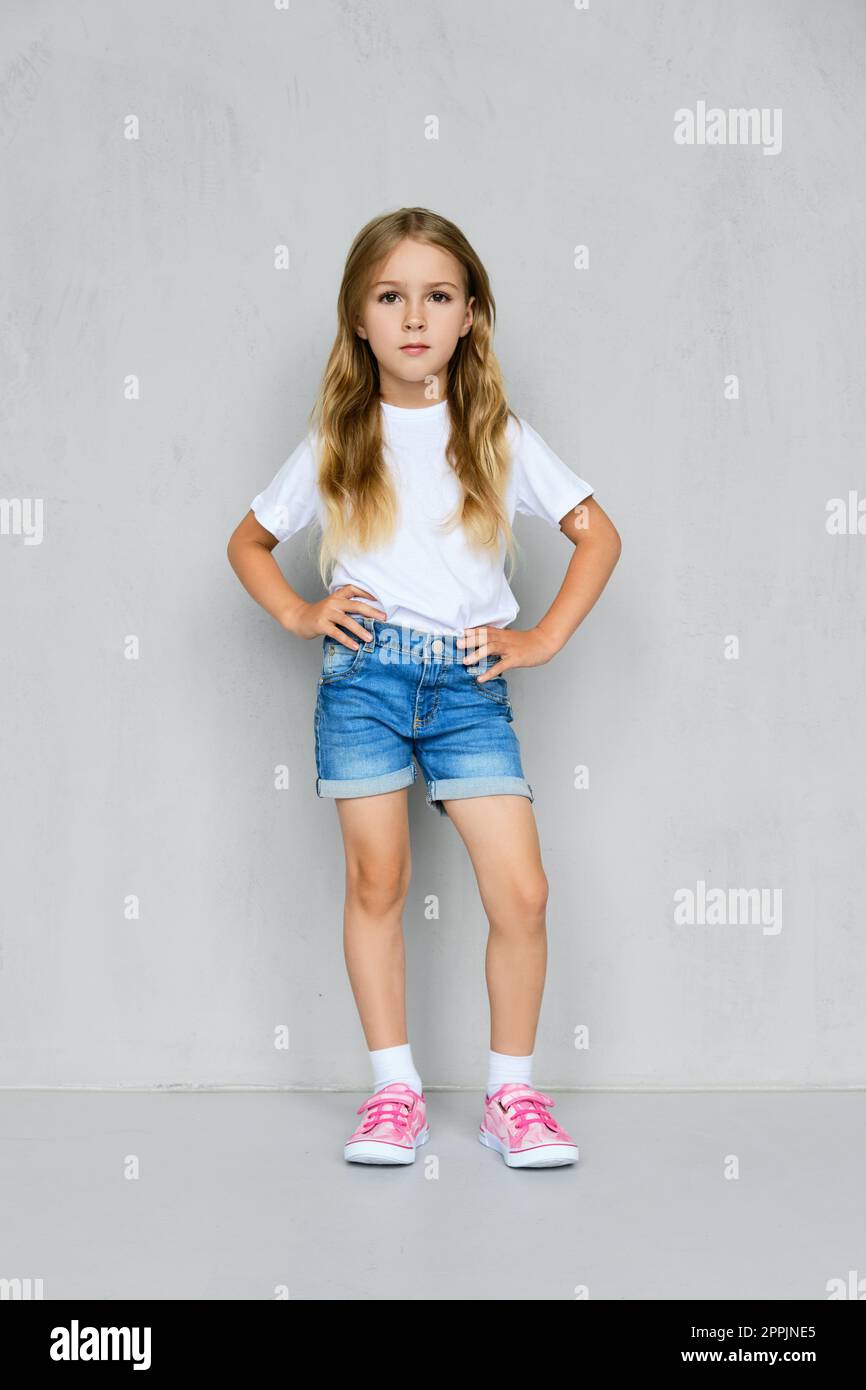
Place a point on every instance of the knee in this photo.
(533, 898)
(525, 905)
(380, 887)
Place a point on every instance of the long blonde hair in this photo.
(359, 503)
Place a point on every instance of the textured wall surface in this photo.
(702, 363)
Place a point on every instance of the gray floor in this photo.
(240, 1193)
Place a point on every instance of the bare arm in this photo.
(597, 548)
(250, 555)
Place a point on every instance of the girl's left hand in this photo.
(528, 648)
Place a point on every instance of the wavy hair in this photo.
(359, 502)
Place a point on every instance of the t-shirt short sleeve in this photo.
(291, 500)
(545, 486)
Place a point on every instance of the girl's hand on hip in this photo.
(330, 616)
(531, 647)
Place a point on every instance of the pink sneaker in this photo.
(517, 1124)
(394, 1125)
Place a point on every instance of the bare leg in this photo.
(378, 871)
(501, 836)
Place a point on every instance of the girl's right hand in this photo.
(328, 617)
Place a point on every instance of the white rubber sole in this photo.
(375, 1151)
(545, 1156)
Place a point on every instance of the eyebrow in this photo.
(401, 284)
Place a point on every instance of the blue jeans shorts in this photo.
(404, 693)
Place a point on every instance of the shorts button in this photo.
(438, 646)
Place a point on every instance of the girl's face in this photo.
(417, 295)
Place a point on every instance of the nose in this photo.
(414, 319)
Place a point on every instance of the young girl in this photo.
(412, 471)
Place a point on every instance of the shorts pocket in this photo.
(497, 689)
(339, 662)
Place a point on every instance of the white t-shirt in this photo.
(424, 578)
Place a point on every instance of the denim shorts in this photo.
(404, 693)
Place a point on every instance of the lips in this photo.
(415, 348)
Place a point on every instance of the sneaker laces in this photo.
(529, 1110)
(385, 1108)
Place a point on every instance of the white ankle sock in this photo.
(501, 1068)
(392, 1064)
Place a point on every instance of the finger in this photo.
(368, 609)
(345, 620)
(482, 652)
(347, 598)
(347, 591)
(470, 640)
(473, 635)
(493, 672)
(473, 657)
(338, 632)
(491, 648)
